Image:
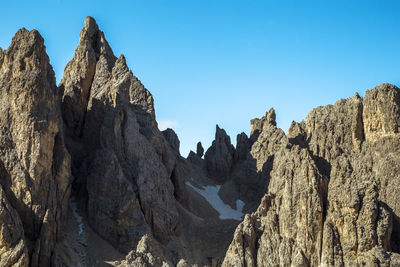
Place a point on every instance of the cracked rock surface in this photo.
(88, 179)
(327, 202)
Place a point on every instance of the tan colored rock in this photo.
(1, 56)
(335, 129)
(329, 187)
(331, 197)
(257, 125)
(267, 138)
(288, 223)
(381, 114)
(148, 253)
(13, 248)
(253, 159)
(35, 164)
(122, 162)
(355, 216)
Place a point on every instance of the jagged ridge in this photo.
(327, 188)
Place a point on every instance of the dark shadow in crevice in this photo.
(299, 140)
(395, 237)
(324, 167)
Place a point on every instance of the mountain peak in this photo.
(269, 119)
(93, 40)
(90, 29)
(90, 24)
(26, 38)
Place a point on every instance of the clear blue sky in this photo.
(226, 62)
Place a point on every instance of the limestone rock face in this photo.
(85, 76)
(128, 178)
(324, 194)
(34, 164)
(257, 125)
(254, 157)
(122, 162)
(219, 156)
(330, 199)
(355, 216)
(13, 248)
(335, 129)
(381, 112)
(1, 56)
(269, 138)
(148, 253)
(289, 219)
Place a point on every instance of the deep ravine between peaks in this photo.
(88, 179)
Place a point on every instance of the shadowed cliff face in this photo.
(324, 194)
(122, 163)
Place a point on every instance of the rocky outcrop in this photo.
(199, 150)
(381, 114)
(243, 146)
(257, 125)
(267, 138)
(327, 201)
(129, 182)
(172, 139)
(328, 188)
(289, 219)
(13, 247)
(34, 164)
(122, 162)
(128, 176)
(335, 129)
(254, 157)
(148, 253)
(219, 156)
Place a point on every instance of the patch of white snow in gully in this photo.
(78, 218)
(210, 193)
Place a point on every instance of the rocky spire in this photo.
(122, 163)
(330, 185)
(242, 146)
(199, 150)
(34, 164)
(95, 74)
(79, 74)
(171, 138)
(219, 156)
(269, 119)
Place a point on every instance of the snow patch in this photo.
(210, 193)
(78, 218)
